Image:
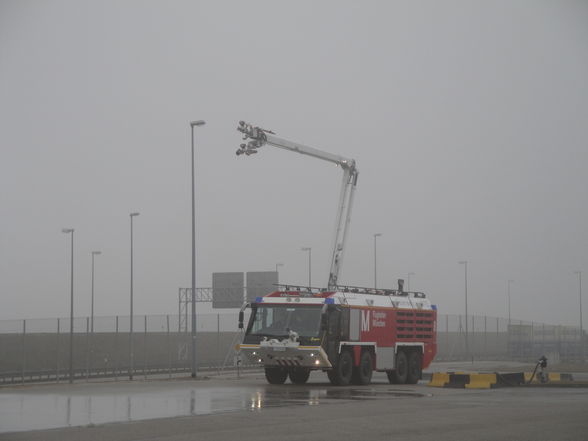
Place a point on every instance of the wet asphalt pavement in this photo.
(248, 409)
(87, 404)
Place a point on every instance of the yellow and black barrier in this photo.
(439, 379)
(490, 380)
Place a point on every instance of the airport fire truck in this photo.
(348, 332)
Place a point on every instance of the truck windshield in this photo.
(278, 320)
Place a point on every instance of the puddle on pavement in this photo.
(26, 411)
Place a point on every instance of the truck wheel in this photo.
(299, 375)
(276, 375)
(414, 371)
(399, 375)
(365, 369)
(341, 374)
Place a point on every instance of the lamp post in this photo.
(278, 265)
(131, 354)
(508, 289)
(579, 273)
(309, 249)
(465, 263)
(94, 253)
(193, 124)
(71, 308)
(408, 280)
(376, 235)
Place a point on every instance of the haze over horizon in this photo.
(468, 122)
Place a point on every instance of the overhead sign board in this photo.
(227, 290)
(261, 283)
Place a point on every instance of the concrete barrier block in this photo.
(481, 381)
(439, 379)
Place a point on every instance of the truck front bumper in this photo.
(279, 354)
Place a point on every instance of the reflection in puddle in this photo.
(27, 411)
(283, 396)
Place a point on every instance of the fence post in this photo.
(485, 338)
(145, 350)
(23, 361)
(87, 348)
(559, 345)
(218, 344)
(543, 338)
(520, 338)
(460, 334)
(532, 339)
(116, 365)
(473, 341)
(447, 336)
(58, 352)
(168, 347)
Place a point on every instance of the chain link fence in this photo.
(39, 349)
(495, 338)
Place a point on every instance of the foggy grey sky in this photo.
(468, 122)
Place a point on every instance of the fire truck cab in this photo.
(347, 333)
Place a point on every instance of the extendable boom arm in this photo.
(258, 137)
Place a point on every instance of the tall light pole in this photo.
(465, 263)
(376, 235)
(309, 249)
(71, 308)
(508, 289)
(579, 273)
(94, 253)
(408, 280)
(193, 124)
(131, 354)
(278, 265)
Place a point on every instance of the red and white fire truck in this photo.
(348, 333)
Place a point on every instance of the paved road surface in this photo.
(248, 409)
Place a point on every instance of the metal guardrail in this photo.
(50, 376)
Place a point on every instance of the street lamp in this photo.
(508, 286)
(465, 263)
(131, 355)
(94, 253)
(376, 235)
(71, 310)
(408, 280)
(309, 249)
(193, 124)
(579, 273)
(277, 265)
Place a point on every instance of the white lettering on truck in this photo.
(365, 321)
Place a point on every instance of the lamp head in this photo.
(67, 230)
(200, 122)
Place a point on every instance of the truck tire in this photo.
(414, 371)
(341, 374)
(400, 374)
(299, 375)
(363, 372)
(276, 375)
